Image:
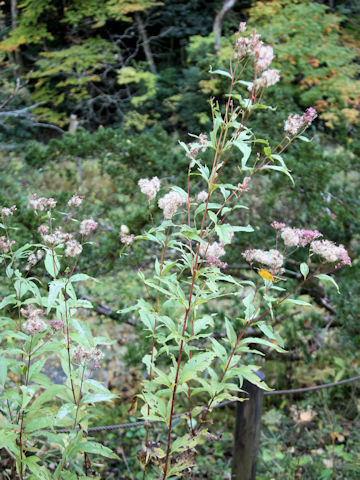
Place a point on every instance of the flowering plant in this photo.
(187, 366)
(39, 324)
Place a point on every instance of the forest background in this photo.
(96, 95)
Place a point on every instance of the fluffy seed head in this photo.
(149, 187)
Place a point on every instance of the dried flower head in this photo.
(170, 203)
(242, 27)
(263, 56)
(149, 187)
(87, 226)
(80, 355)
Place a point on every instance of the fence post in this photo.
(247, 431)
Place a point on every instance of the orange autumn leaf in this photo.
(266, 275)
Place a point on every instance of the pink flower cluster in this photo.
(34, 323)
(80, 355)
(5, 245)
(295, 122)
(87, 226)
(242, 187)
(6, 212)
(127, 239)
(56, 324)
(75, 200)
(41, 203)
(194, 147)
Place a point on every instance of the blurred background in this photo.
(96, 94)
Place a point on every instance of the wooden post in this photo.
(247, 431)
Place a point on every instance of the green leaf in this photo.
(52, 264)
(296, 301)
(197, 363)
(97, 397)
(230, 332)
(54, 290)
(220, 72)
(304, 269)
(3, 370)
(94, 447)
(327, 279)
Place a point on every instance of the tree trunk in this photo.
(145, 41)
(14, 23)
(227, 5)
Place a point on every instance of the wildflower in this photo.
(242, 47)
(56, 324)
(43, 229)
(34, 258)
(203, 139)
(270, 77)
(293, 124)
(6, 212)
(87, 226)
(34, 323)
(80, 355)
(73, 249)
(309, 115)
(75, 200)
(41, 203)
(307, 236)
(277, 225)
(242, 27)
(170, 203)
(290, 236)
(5, 245)
(149, 187)
(263, 56)
(126, 239)
(272, 258)
(212, 253)
(202, 196)
(331, 252)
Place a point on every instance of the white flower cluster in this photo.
(290, 236)
(331, 252)
(73, 249)
(170, 202)
(272, 258)
(149, 187)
